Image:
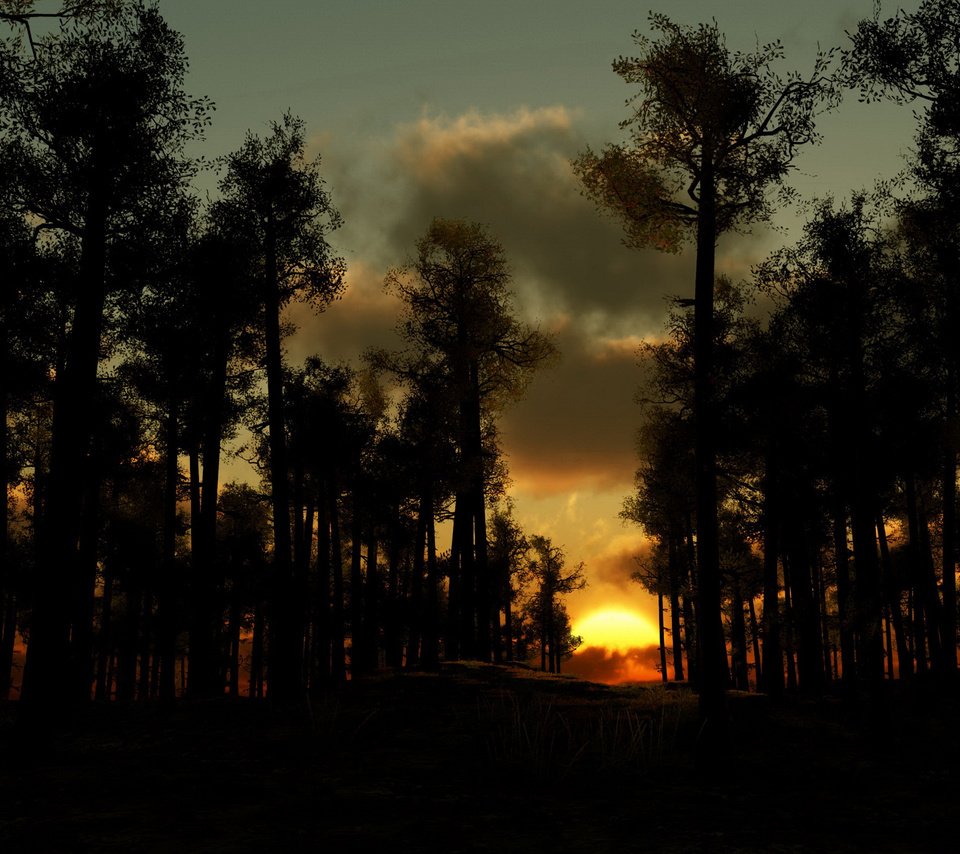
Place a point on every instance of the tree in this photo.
(722, 129)
(909, 57)
(545, 607)
(277, 201)
(460, 323)
(102, 119)
(508, 567)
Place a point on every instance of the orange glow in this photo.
(616, 629)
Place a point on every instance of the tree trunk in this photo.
(809, 655)
(689, 609)
(206, 622)
(738, 640)
(841, 556)
(772, 669)
(932, 606)
(675, 634)
(713, 676)
(285, 647)
(892, 598)
(8, 622)
(399, 594)
(949, 542)
(788, 626)
(663, 640)
(431, 612)
(47, 688)
(755, 636)
(105, 639)
(236, 617)
(321, 620)
(256, 654)
(357, 653)
(338, 665)
(371, 620)
(166, 604)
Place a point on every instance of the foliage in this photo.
(702, 108)
(274, 199)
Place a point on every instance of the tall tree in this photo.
(545, 607)
(102, 119)
(460, 322)
(276, 199)
(914, 56)
(711, 132)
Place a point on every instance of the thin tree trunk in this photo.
(673, 549)
(928, 588)
(755, 635)
(371, 621)
(431, 613)
(416, 587)
(788, 626)
(949, 542)
(8, 608)
(713, 676)
(206, 622)
(772, 650)
(321, 632)
(338, 665)
(393, 639)
(166, 619)
(357, 659)
(47, 688)
(256, 654)
(841, 556)
(738, 640)
(892, 597)
(105, 638)
(663, 639)
(285, 648)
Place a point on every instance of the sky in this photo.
(474, 110)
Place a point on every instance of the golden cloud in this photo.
(599, 664)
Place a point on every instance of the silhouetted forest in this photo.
(799, 438)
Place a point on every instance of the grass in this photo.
(480, 758)
(549, 738)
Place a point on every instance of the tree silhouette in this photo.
(711, 132)
(545, 608)
(913, 57)
(459, 317)
(276, 200)
(102, 118)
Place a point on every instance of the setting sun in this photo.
(616, 629)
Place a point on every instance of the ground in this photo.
(485, 758)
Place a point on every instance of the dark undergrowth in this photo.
(485, 758)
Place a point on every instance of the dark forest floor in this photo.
(484, 758)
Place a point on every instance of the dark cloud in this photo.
(512, 172)
(364, 317)
(575, 427)
(616, 566)
(598, 664)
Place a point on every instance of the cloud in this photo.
(598, 664)
(511, 171)
(364, 317)
(615, 559)
(575, 427)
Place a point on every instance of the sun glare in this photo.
(616, 629)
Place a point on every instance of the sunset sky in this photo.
(459, 108)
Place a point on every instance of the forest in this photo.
(799, 431)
